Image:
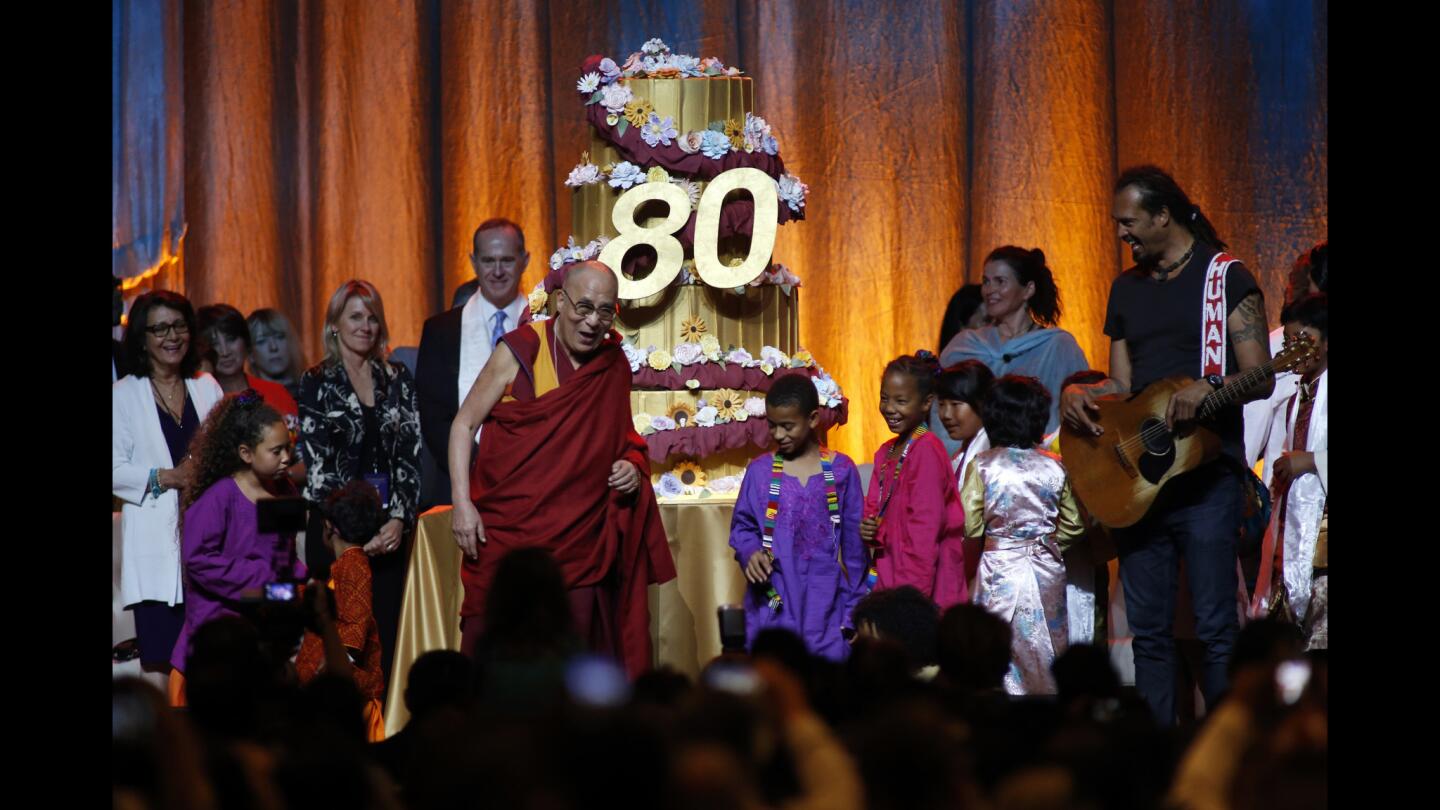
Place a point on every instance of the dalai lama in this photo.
(560, 467)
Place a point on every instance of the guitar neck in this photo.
(1230, 392)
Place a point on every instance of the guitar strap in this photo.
(1212, 321)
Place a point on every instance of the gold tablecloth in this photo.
(683, 630)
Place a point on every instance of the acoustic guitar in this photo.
(1118, 475)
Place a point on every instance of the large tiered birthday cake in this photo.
(681, 191)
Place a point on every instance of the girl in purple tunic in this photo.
(241, 454)
(796, 528)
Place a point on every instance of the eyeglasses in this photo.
(164, 330)
(584, 309)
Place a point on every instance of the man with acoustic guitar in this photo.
(1185, 310)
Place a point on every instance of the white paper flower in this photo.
(655, 46)
(705, 417)
(792, 191)
(663, 423)
(741, 358)
(728, 484)
(690, 187)
(688, 354)
(755, 406)
(774, 357)
(636, 356)
(670, 486)
(710, 345)
(740, 415)
(584, 174)
(588, 83)
(615, 96)
(827, 390)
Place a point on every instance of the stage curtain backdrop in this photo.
(331, 140)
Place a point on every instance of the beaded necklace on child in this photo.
(872, 575)
(772, 509)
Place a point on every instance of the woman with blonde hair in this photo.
(359, 420)
(275, 349)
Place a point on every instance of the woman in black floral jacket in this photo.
(359, 420)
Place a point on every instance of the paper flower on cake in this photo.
(654, 46)
(635, 355)
(740, 357)
(683, 413)
(758, 136)
(670, 486)
(688, 354)
(659, 359)
(692, 328)
(706, 416)
(827, 390)
(690, 474)
(537, 298)
(710, 346)
(714, 144)
(712, 66)
(689, 142)
(637, 112)
(588, 83)
(735, 132)
(632, 63)
(626, 174)
(802, 359)
(641, 422)
(728, 484)
(772, 356)
(727, 403)
(657, 174)
(658, 130)
(615, 97)
(584, 174)
(609, 71)
(792, 191)
(755, 406)
(662, 423)
(690, 187)
(692, 384)
(688, 65)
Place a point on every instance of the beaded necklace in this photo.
(872, 575)
(772, 509)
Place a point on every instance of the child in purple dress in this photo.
(796, 529)
(241, 454)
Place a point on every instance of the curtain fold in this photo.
(325, 141)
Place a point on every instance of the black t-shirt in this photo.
(1160, 324)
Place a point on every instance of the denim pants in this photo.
(1198, 516)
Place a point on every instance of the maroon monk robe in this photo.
(541, 478)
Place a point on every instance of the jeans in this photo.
(1198, 516)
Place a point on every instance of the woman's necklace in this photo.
(175, 413)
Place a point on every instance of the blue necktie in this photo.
(499, 330)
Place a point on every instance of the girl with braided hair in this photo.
(913, 523)
(240, 455)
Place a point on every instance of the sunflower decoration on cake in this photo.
(735, 131)
(692, 330)
(727, 403)
(637, 111)
(683, 413)
(690, 474)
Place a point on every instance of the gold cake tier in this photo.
(763, 316)
(720, 465)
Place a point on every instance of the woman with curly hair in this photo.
(240, 458)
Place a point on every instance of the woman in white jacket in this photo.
(154, 414)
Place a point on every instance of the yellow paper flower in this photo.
(637, 111)
(691, 329)
(641, 421)
(735, 131)
(538, 297)
(683, 413)
(727, 403)
(690, 474)
(657, 174)
(710, 345)
(801, 359)
(660, 360)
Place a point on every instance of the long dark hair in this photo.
(1029, 265)
(134, 342)
(962, 306)
(237, 419)
(1159, 190)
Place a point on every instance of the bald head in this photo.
(587, 308)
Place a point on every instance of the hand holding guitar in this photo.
(1185, 405)
(1077, 403)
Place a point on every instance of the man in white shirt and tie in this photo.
(455, 344)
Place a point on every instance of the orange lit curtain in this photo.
(327, 140)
